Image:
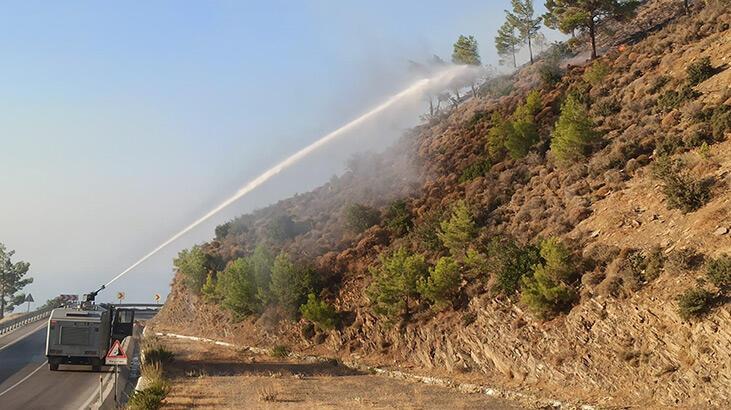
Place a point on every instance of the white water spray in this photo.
(438, 82)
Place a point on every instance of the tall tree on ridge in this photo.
(11, 281)
(466, 53)
(585, 15)
(522, 18)
(506, 40)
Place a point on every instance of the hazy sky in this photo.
(121, 122)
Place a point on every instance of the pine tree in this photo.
(584, 15)
(394, 284)
(442, 283)
(573, 132)
(11, 281)
(549, 290)
(457, 232)
(506, 41)
(524, 133)
(466, 53)
(521, 17)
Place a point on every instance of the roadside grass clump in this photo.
(681, 191)
(442, 283)
(699, 71)
(718, 272)
(549, 290)
(319, 312)
(596, 72)
(158, 355)
(694, 302)
(280, 351)
(157, 388)
(266, 394)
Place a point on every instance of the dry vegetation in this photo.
(584, 257)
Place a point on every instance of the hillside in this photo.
(561, 235)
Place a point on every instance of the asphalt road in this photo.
(27, 383)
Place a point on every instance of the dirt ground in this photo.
(207, 376)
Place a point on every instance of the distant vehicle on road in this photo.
(82, 335)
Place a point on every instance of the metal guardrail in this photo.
(20, 321)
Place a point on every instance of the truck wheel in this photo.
(53, 366)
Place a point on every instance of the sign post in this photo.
(115, 357)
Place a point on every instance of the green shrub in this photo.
(280, 351)
(459, 230)
(681, 190)
(699, 71)
(360, 217)
(426, 233)
(209, 290)
(596, 72)
(548, 291)
(574, 132)
(672, 99)
(498, 135)
(290, 283)
(550, 72)
(508, 262)
(192, 263)
(524, 131)
(394, 283)
(655, 262)
(282, 228)
(474, 170)
(607, 107)
(399, 219)
(659, 83)
(319, 312)
(236, 286)
(719, 272)
(720, 121)
(442, 283)
(694, 302)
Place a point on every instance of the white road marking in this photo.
(22, 337)
(24, 378)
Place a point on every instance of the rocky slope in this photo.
(623, 342)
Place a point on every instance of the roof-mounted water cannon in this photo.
(91, 297)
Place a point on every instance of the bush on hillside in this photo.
(694, 302)
(606, 107)
(548, 291)
(236, 286)
(497, 136)
(475, 170)
(672, 99)
(699, 71)
(659, 83)
(573, 134)
(283, 228)
(360, 217)
(459, 230)
(596, 72)
(550, 72)
(718, 272)
(442, 284)
(681, 191)
(655, 262)
(425, 235)
(721, 121)
(192, 264)
(399, 219)
(394, 285)
(508, 262)
(524, 132)
(291, 283)
(319, 312)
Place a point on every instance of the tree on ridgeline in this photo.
(12, 281)
(585, 15)
(506, 41)
(466, 53)
(523, 19)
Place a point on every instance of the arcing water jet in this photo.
(440, 81)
